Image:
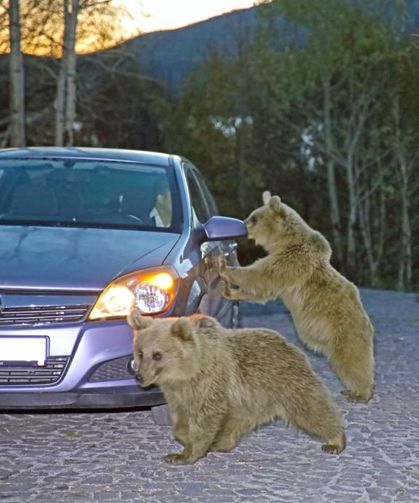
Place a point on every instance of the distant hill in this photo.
(169, 55)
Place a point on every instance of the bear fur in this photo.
(326, 308)
(220, 384)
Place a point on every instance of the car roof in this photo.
(113, 154)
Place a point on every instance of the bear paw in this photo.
(225, 289)
(176, 459)
(335, 445)
(222, 265)
(331, 449)
(354, 396)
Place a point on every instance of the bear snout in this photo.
(143, 381)
(139, 378)
(147, 375)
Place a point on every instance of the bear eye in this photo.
(157, 355)
(140, 355)
(253, 220)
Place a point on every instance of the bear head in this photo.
(275, 226)
(272, 222)
(165, 350)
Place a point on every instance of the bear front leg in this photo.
(180, 431)
(268, 277)
(238, 275)
(231, 293)
(195, 448)
(201, 436)
(180, 428)
(246, 281)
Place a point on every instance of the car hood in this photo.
(75, 258)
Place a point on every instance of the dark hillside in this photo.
(169, 55)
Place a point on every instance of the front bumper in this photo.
(128, 396)
(96, 374)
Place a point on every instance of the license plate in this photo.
(29, 350)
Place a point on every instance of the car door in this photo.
(203, 208)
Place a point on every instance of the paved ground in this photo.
(116, 457)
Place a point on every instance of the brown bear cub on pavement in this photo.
(220, 384)
(325, 306)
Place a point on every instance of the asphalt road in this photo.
(116, 457)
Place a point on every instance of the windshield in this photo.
(88, 193)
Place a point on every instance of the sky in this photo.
(154, 15)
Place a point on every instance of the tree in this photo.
(65, 104)
(101, 24)
(57, 28)
(17, 82)
(406, 160)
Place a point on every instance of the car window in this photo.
(88, 193)
(198, 202)
(210, 202)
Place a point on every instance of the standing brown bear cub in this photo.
(219, 384)
(325, 306)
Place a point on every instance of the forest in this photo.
(318, 102)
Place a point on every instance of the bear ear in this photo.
(182, 329)
(137, 322)
(275, 205)
(203, 321)
(266, 196)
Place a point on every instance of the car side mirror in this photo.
(220, 228)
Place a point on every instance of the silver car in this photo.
(85, 234)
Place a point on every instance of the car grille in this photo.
(31, 315)
(49, 374)
(113, 370)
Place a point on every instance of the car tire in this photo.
(161, 415)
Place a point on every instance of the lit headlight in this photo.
(153, 295)
(152, 292)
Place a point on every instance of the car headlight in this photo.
(151, 291)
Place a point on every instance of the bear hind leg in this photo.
(320, 419)
(356, 370)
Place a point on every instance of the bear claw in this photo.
(331, 449)
(353, 396)
(174, 459)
